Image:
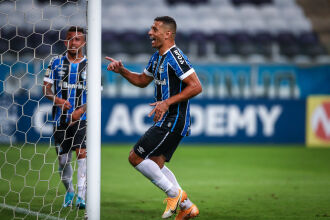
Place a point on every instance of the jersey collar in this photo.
(168, 50)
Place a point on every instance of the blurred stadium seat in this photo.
(269, 12)
(223, 44)
(110, 46)
(310, 44)
(254, 25)
(199, 39)
(243, 44)
(288, 44)
(284, 3)
(183, 40)
(263, 42)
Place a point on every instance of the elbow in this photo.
(195, 89)
(198, 89)
(142, 85)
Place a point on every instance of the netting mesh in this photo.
(31, 33)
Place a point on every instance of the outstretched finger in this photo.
(110, 59)
(153, 104)
(161, 116)
(67, 105)
(152, 112)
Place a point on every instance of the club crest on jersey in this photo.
(83, 75)
(161, 68)
(61, 71)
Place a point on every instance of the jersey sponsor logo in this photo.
(160, 82)
(179, 56)
(65, 85)
(320, 122)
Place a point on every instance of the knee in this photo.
(81, 153)
(159, 160)
(134, 159)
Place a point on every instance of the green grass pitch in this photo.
(226, 182)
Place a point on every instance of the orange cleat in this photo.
(192, 212)
(173, 203)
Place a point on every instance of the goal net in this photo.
(31, 33)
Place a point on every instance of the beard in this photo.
(73, 52)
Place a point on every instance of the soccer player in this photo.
(67, 75)
(175, 83)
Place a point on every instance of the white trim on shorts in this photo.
(157, 145)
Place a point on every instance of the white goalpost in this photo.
(94, 110)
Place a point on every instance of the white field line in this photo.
(26, 211)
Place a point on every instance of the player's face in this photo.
(157, 34)
(75, 41)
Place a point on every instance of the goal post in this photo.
(94, 109)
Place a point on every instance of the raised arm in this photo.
(192, 89)
(139, 80)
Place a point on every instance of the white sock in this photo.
(65, 168)
(152, 171)
(186, 204)
(170, 176)
(81, 177)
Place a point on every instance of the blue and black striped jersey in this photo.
(169, 70)
(69, 80)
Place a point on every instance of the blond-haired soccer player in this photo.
(175, 83)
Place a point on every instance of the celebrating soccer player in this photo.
(175, 83)
(67, 74)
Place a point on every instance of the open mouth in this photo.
(73, 49)
(152, 40)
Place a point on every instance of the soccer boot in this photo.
(192, 212)
(173, 203)
(80, 203)
(68, 199)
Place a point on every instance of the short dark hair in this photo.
(76, 29)
(168, 21)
